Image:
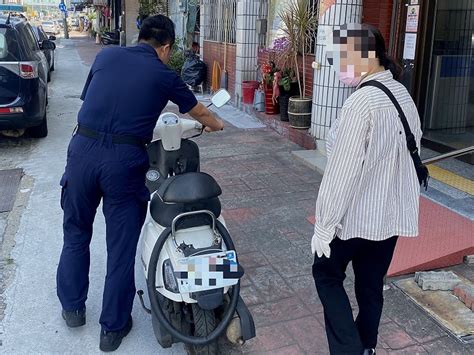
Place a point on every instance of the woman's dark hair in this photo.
(158, 31)
(381, 51)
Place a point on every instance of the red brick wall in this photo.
(214, 51)
(379, 14)
(264, 57)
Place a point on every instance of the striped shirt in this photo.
(370, 189)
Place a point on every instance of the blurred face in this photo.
(164, 53)
(351, 53)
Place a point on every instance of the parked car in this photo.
(59, 26)
(49, 27)
(41, 36)
(23, 78)
(74, 23)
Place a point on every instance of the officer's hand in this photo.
(206, 118)
(209, 130)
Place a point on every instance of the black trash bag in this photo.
(194, 71)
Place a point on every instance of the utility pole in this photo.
(62, 7)
(66, 31)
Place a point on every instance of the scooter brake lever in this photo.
(199, 134)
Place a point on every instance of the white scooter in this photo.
(189, 259)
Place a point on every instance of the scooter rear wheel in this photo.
(204, 324)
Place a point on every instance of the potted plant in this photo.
(300, 22)
(286, 78)
(288, 87)
(178, 57)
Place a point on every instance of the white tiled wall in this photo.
(328, 92)
(247, 43)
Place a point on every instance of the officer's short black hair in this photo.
(158, 31)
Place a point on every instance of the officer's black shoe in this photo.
(369, 352)
(74, 319)
(110, 341)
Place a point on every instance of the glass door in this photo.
(449, 102)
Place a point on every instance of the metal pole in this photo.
(66, 31)
(453, 154)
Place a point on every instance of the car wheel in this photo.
(40, 131)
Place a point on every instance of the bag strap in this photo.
(421, 170)
(411, 142)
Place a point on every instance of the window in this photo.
(9, 51)
(263, 14)
(311, 46)
(30, 44)
(218, 24)
(32, 41)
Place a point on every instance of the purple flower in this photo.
(280, 44)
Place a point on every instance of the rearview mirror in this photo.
(220, 98)
(52, 38)
(47, 44)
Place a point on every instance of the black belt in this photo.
(117, 139)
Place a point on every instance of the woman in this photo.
(370, 191)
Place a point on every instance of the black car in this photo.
(23, 78)
(41, 36)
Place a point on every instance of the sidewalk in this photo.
(267, 196)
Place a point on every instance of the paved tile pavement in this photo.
(267, 195)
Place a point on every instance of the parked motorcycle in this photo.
(189, 259)
(110, 37)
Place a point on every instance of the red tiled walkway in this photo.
(445, 237)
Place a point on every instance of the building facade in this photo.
(433, 41)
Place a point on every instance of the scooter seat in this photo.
(189, 187)
(186, 193)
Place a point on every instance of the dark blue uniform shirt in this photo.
(126, 90)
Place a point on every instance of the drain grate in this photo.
(9, 181)
(72, 96)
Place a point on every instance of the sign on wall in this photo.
(413, 15)
(410, 46)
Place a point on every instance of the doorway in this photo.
(439, 68)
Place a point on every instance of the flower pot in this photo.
(270, 107)
(284, 101)
(294, 89)
(299, 112)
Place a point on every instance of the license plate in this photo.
(207, 272)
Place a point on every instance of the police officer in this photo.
(125, 92)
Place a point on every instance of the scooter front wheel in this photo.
(204, 323)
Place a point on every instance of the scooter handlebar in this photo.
(189, 125)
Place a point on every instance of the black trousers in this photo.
(370, 261)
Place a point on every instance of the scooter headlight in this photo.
(171, 283)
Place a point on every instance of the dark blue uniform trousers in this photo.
(115, 173)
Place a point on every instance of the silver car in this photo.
(49, 27)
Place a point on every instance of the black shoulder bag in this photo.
(421, 170)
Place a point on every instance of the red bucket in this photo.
(248, 91)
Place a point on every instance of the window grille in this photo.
(311, 45)
(216, 20)
(212, 33)
(262, 15)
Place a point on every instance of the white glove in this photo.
(320, 246)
